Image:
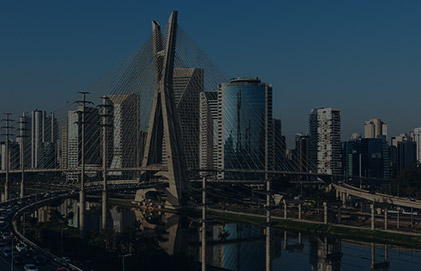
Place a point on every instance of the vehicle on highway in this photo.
(5, 235)
(20, 247)
(30, 267)
(7, 252)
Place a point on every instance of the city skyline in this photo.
(308, 65)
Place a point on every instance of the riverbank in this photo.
(343, 231)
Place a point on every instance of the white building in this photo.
(417, 139)
(325, 140)
(374, 128)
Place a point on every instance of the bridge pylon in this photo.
(164, 143)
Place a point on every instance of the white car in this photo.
(30, 267)
(20, 247)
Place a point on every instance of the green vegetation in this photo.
(346, 233)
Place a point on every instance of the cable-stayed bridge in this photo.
(165, 115)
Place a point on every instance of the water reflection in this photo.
(234, 246)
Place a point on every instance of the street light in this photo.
(124, 256)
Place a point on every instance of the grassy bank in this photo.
(333, 230)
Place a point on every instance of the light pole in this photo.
(124, 257)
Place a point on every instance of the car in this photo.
(5, 235)
(7, 252)
(30, 267)
(20, 247)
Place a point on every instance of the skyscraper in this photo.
(302, 158)
(325, 140)
(244, 127)
(74, 140)
(123, 137)
(208, 139)
(374, 128)
(44, 139)
(188, 83)
(417, 139)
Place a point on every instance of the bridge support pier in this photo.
(373, 255)
(385, 218)
(285, 240)
(386, 252)
(285, 209)
(372, 217)
(325, 213)
(299, 211)
(203, 233)
(397, 218)
(300, 239)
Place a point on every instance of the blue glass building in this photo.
(245, 133)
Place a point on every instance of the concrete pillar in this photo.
(285, 240)
(386, 252)
(372, 216)
(325, 213)
(343, 196)
(299, 211)
(337, 194)
(373, 255)
(300, 239)
(203, 233)
(397, 218)
(385, 218)
(285, 209)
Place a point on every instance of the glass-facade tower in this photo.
(244, 127)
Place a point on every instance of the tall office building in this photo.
(208, 129)
(417, 139)
(44, 140)
(123, 136)
(14, 155)
(366, 157)
(325, 140)
(374, 128)
(188, 83)
(301, 158)
(279, 146)
(24, 138)
(74, 140)
(244, 127)
(64, 140)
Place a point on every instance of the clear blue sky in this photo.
(361, 56)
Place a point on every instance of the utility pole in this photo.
(105, 125)
(22, 134)
(7, 120)
(82, 122)
(203, 233)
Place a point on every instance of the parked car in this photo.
(30, 267)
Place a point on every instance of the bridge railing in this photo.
(31, 244)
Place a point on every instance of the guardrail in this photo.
(31, 244)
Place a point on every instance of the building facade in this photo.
(244, 136)
(188, 83)
(123, 135)
(325, 140)
(374, 128)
